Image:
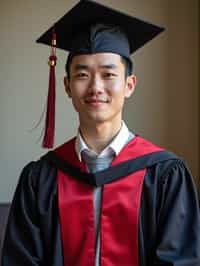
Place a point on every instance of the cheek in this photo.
(79, 87)
(117, 87)
(76, 90)
(76, 102)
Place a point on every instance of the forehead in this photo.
(97, 60)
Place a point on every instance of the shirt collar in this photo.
(113, 148)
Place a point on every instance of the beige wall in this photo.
(164, 107)
(183, 80)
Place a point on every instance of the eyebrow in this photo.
(86, 67)
(80, 67)
(109, 66)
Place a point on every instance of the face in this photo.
(98, 87)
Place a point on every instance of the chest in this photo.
(120, 203)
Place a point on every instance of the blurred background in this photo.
(164, 108)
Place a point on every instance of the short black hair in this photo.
(128, 66)
(127, 63)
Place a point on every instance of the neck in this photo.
(98, 136)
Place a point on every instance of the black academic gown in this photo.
(33, 235)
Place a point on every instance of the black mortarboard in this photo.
(90, 27)
(74, 28)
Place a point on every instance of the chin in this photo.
(97, 118)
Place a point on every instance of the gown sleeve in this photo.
(178, 224)
(23, 243)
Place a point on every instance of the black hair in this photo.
(128, 66)
(127, 63)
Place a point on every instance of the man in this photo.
(107, 197)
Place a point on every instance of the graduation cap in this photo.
(90, 27)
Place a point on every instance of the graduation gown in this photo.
(168, 221)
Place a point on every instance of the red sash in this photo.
(119, 213)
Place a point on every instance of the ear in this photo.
(67, 87)
(130, 85)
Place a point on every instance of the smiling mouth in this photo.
(96, 101)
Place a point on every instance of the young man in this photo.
(107, 197)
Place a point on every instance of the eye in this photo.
(109, 75)
(81, 75)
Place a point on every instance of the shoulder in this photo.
(36, 173)
(41, 166)
(172, 175)
(170, 165)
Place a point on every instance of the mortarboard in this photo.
(90, 27)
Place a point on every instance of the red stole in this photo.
(119, 213)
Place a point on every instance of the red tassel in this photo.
(49, 135)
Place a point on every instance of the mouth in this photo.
(96, 101)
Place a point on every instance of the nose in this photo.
(96, 85)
